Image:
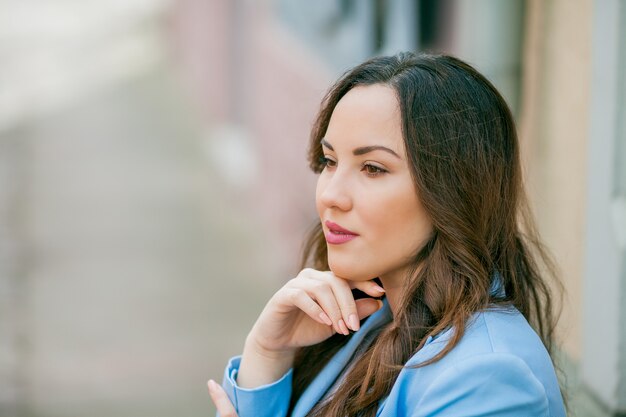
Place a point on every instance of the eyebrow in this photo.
(364, 149)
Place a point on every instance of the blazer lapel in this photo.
(327, 376)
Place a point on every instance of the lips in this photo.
(337, 234)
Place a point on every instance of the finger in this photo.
(220, 399)
(370, 288)
(321, 291)
(365, 307)
(320, 296)
(345, 299)
(304, 302)
(340, 306)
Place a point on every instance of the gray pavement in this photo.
(141, 272)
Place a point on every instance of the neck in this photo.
(394, 288)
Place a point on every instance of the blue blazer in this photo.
(499, 368)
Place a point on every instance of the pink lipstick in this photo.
(337, 235)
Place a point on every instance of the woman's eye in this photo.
(373, 170)
(326, 162)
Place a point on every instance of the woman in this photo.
(424, 294)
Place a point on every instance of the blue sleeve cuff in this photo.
(271, 400)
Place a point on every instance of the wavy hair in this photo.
(463, 152)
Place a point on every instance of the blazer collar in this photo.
(322, 382)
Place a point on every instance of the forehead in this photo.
(367, 115)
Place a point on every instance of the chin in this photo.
(350, 271)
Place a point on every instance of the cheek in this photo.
(400, 225)
(321, 183)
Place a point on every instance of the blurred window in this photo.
(487, 33)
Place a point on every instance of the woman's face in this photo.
(366, 188)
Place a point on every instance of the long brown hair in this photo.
(463, 151)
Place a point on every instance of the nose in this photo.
(333, 190)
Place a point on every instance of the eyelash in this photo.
(377, 170)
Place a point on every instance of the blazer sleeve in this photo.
(271, 400)
(484, 385)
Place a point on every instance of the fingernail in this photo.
(379, 288)
(326, 319)
(354, 322)
(343, 327)
(212, 385)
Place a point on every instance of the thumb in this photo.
(367, 306)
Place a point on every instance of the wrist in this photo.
(260, 366)
(256, 347)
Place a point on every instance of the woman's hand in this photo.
(307, 310)
(310, 308)
(220, 399)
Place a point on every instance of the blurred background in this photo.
(154, 189)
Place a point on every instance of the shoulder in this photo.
(498, 331)
(500, 364)
(484, 384)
